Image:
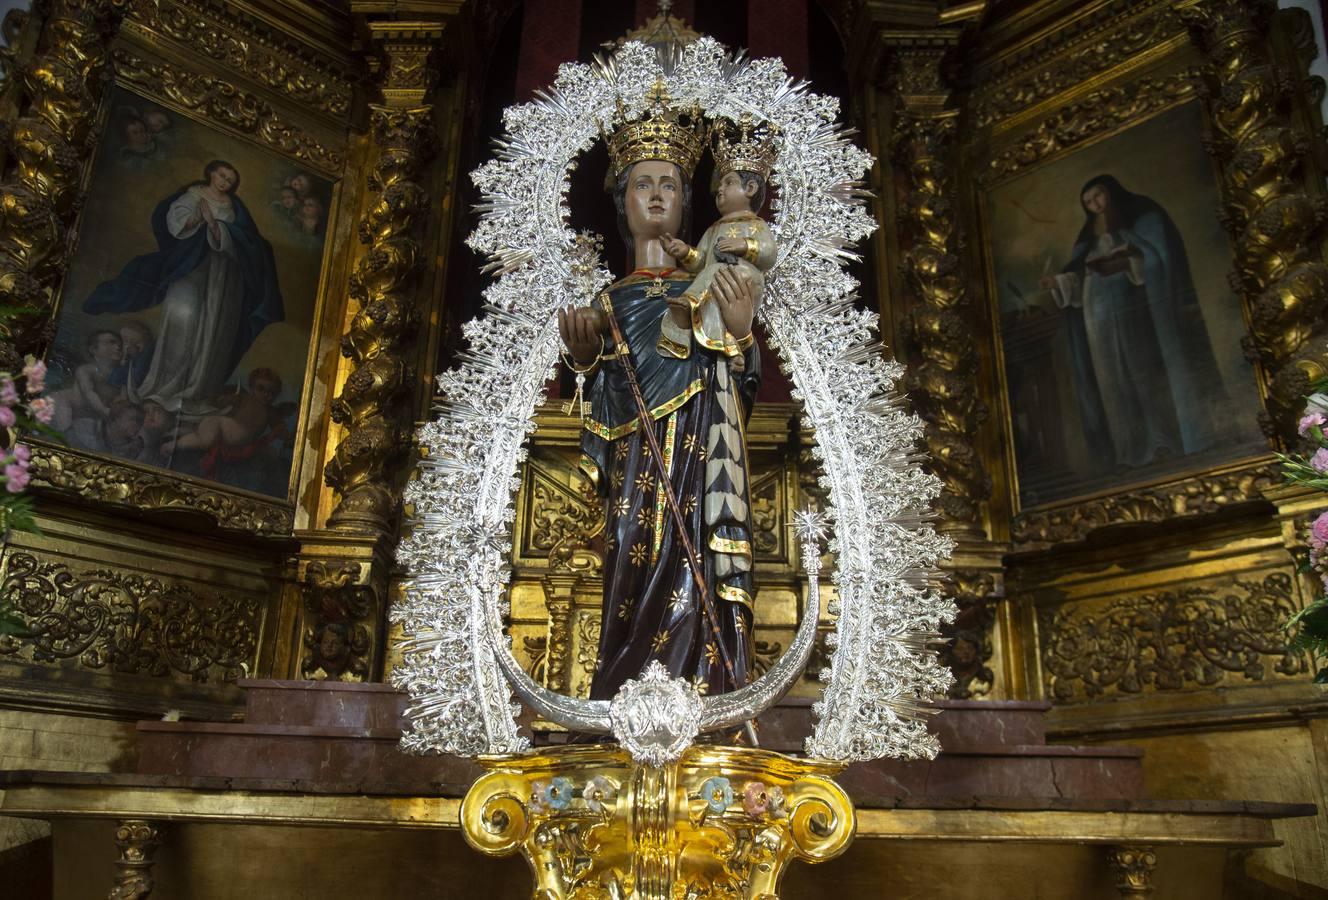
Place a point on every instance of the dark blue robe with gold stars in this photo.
(652, 608)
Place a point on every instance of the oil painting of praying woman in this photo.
(1120, 335)
(184, 330)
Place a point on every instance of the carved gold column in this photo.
(137, 841)
(1133, 868)
(343, 570)
(47, 147)
(1275, 219)
(916, 116)
(373, 404)
(943, 381)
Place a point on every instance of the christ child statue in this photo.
(744, 156)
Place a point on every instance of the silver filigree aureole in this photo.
(882, 672)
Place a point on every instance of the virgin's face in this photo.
(223, 179)
(1096, 200)
(654, 199)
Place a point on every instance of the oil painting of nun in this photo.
(1121, 338)
(184, 328)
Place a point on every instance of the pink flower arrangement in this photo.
(34, 376)
(1309, 627)
(22, 409)
(43, 409)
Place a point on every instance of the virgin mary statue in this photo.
(696, 402)
(215, 278)
(1147, 380)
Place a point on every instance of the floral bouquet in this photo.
(22, 411)
(1309, 627)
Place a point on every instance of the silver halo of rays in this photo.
(455, 662)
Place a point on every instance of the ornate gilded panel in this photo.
(123, 622)
(1220, 633)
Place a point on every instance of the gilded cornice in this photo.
(248, 48)
(227, 105)
(1183, 498)
(93, 479)
(1086, 50)
(1098, 113)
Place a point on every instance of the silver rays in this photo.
(457, 665)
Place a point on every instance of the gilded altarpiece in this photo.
(150, 589)
(1148, 584)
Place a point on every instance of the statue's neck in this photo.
(650, 254)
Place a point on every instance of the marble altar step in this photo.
(347, 733)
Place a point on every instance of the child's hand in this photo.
(736, 246)
(674, 247)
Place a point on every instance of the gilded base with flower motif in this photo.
(721, 822)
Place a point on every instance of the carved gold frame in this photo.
(201, 86)
(1156, 73)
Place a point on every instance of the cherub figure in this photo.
(94, 387)
(250, 414)
(744, 156)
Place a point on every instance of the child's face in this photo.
(300, 183)
(730, 196)
(132, 342)
(129, 421)
(266, 390)
(107, 349)
(136, 133)
(288, 198)
(155, 417)
(157, 122)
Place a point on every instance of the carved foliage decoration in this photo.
(1190, 637)
(1097, 113)
(1276, 223)
(127, 623)
(92, 479)
(338, 606)
(1196, 496)
(968, 649)
(48, 146)
(1112, 35)
(242, 46)
(224, 103)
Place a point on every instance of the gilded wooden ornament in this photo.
(969, 648)
(720, 823)
(136, 841)
(1133, 867)
(1185, 498)
(246, 49)
(48, 146)
(1190, 637)
(1276, 223)
(225, 104)
(70, 472)
(1097, 113)
(340, 609)
(371, 405)
(943, 385)
(1109, 36)
(125, 622)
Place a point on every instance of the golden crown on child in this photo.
(744, 146)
